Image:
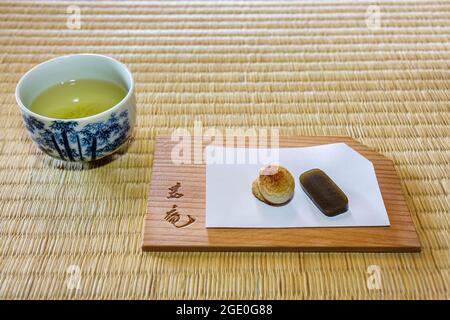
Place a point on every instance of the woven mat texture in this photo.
(305, 68)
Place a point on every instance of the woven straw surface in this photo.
(307, 69)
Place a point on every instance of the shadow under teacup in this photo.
(81, 139)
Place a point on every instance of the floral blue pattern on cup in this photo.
(68, 140)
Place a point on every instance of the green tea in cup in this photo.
(83, 119)
(75, 99)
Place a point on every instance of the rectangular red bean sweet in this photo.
(323, 192)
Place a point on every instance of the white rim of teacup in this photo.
(116, 106)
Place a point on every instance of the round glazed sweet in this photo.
(256, 192)
(276, 184)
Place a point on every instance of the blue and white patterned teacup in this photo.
(83, 139)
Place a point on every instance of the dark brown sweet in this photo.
(325, 194)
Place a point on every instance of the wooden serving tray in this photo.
(175, 219)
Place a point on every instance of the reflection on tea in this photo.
(77, 99)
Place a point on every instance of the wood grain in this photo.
(162, 235)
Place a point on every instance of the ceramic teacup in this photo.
(82, 139)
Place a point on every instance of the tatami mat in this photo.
(306, 68)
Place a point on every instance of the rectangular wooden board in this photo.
(175, 219)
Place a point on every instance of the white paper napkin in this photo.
(231, 204)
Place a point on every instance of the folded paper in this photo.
(231, 204)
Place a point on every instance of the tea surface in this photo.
(77, 98)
